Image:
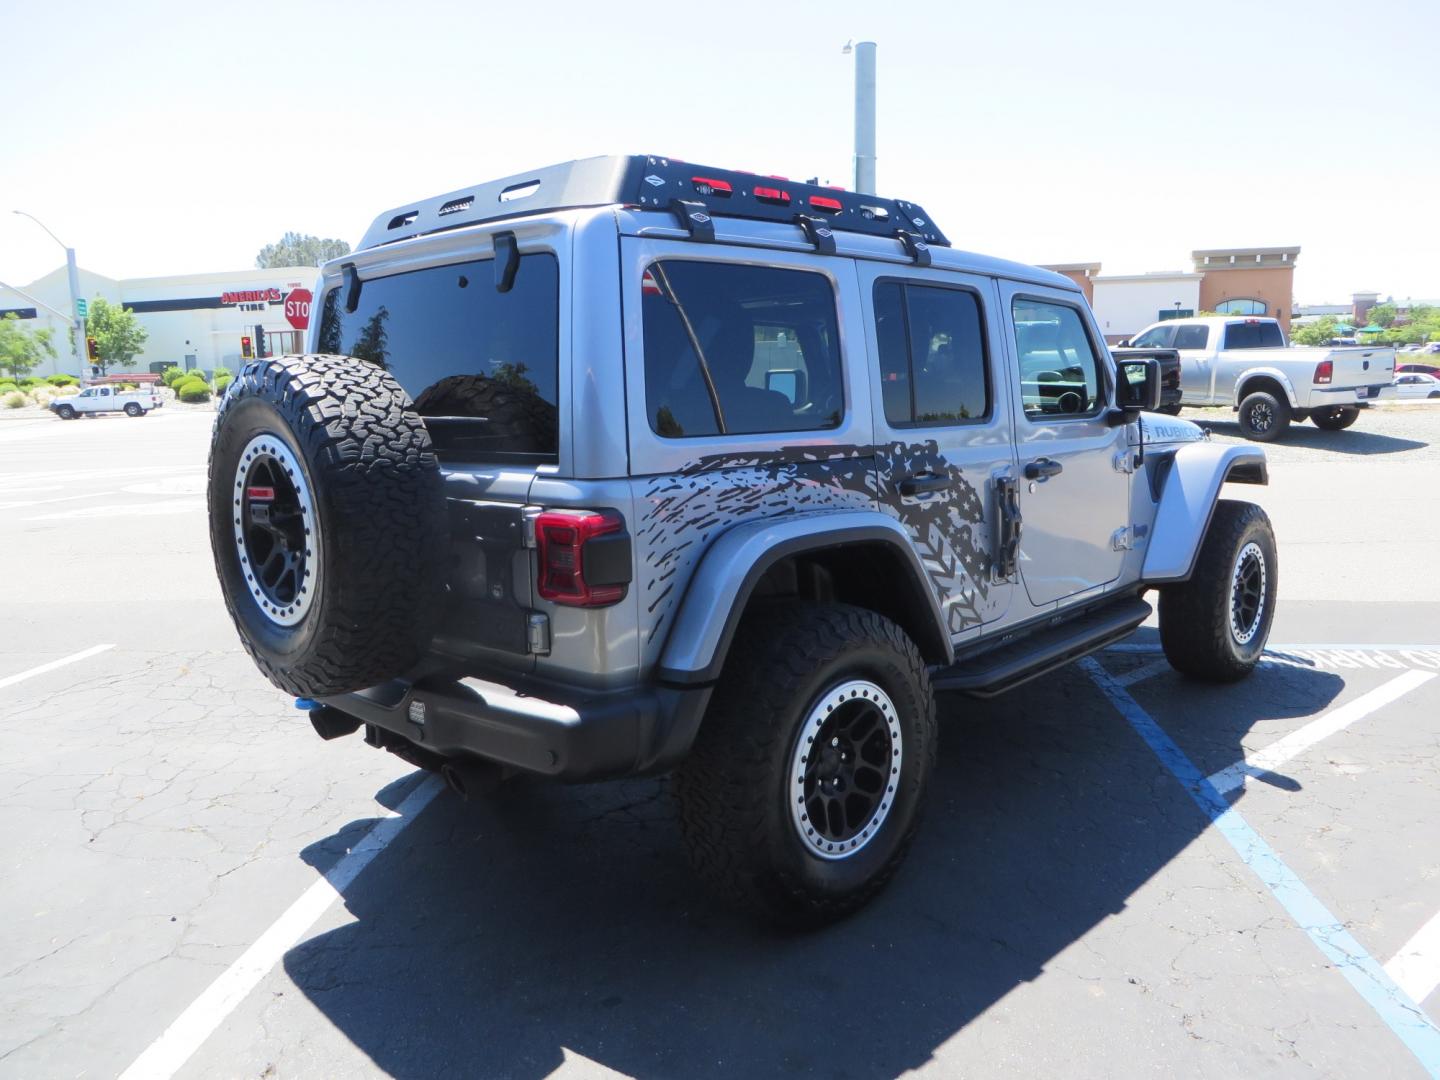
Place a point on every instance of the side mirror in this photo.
(1137, 388)
(1123, 343)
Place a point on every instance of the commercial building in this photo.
(192, 320)
(1239, 281)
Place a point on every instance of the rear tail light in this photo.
(772, 195)
(824, 202)
(1324, 371)
(562, 538)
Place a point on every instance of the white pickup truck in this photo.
(1247, 364)
(99, 399)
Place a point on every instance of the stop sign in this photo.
(297, 308)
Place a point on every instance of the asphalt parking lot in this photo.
(1121, 873)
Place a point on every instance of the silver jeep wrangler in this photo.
(628, 465)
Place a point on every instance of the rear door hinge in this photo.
(528, 515)
(1121, 540)
(538, 627)
(1124, 461)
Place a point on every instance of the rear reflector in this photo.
(823, 202)
(1324, 371)
(772, 195)
(263, 493)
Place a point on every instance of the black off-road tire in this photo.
(1197, 631)
(1337, 418)
(733, 790)
(377, 492)
(1173, 409)
(1263, 416)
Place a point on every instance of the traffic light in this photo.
(259, 341)
(92, 348)
(246, 352)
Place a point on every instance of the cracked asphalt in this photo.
(1067, 909)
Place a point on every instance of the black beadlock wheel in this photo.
(327, 522)
(803, 790)
(1263, 416)
(1214, 626)
(1336, 418)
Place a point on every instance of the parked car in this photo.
(1417, 369)
(1247, 364)
(94, 400)
(1416, 385)
(657, 466)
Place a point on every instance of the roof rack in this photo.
(694, 193)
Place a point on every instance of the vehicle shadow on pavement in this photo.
(1354, 440)
(498, 939)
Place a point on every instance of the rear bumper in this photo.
(566, 734)
(1323, 397)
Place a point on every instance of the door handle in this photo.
(1043, 468)
(921, 483)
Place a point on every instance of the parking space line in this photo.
(1140, 674)
(74, 658)
(1393, 1005)
(1297, 742)
(1416, 967)
(164, 1057)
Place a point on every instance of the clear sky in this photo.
(163, 138)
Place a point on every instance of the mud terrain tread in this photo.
(726, 788)
(1194, 615)
(376, 477)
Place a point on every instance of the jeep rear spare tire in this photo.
(327, 522)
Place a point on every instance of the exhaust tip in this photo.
(471, 779)
(330, 723)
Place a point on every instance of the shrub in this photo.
(221, 382)
(41, 396)
(62, 380)
(7, 386)
(171, 375)
(28, 381)
(189, 380)
(14, 400)
(221, 372)
(68, 390)
(193, 392)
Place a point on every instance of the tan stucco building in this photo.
(1240, 281)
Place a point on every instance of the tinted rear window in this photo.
(1253, 335)
(482, 366)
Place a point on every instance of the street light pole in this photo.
(77, 343)
(864, 115)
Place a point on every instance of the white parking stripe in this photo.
(11, 680)
(1416, 967)
(1297, 742)
(65, 498)
(1140, 674)
(164, 1057)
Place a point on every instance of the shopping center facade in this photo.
(191, 320)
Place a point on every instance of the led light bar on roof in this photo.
(657, 183)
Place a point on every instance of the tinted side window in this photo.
(1059, 371)
(1157, 337)
(733, 349)
(932, 354)
(482, 366)
(1191, 337)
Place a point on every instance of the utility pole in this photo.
(864, 115)
(77, 324)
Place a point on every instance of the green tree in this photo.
(1316, 333)
(292, 249)
(21, 350)
(118, 335)
(1381, 315)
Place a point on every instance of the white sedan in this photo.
(1415, 385)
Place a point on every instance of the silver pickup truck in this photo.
(1247, 364)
